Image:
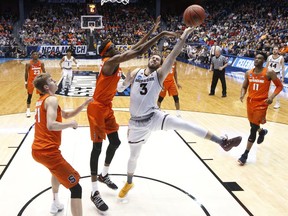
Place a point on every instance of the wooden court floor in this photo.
(264, 178)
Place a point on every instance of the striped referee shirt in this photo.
(218, 62)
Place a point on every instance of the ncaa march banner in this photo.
(79, 49)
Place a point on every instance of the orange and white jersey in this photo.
(259, 85)
(44, 138)
(34, 69)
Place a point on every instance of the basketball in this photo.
(194, 15)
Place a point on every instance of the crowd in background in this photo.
(238, 27)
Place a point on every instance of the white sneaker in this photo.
(277, 105)
(28, 114)
(55, 208)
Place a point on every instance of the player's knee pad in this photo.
(76, 191)
(29, 98)
(160, 99)
(176, 98)
(114, 141)
(253, 132)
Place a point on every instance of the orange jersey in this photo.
(258, 85)
(43, 138)
(34, 70)
(170, 76)
(106, 86)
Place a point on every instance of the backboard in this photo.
(91, 22)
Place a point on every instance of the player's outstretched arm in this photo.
(72, 113)
(51, 105)
(168, 62)
(145, 38)
(132, 53)
(123, 84)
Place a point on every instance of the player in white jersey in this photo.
(67, 73)
(146, 117)
(276, 63)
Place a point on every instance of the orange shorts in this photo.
(170, 87)
(30, 89)
(58, 166)
(256, 111)
(101, 120)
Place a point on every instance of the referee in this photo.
(218, 65)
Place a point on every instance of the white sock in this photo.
(94, 187)
(177, 112)
(56, 198)
(28, 109)
(105, 171)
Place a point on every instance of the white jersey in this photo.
(144, 94)
(275, 64)
(67, 63)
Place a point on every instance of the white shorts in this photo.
(67, 73)
(139, 131)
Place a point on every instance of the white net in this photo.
(113, 1)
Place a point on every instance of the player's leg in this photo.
(161, 96)
(138, 133)
(56, 205)
(76, 200)
(135, 149)
(173, 91)
(69, 78)
(96, 122)
(173, 123)
(30, 89)
(64, 80)
(111, 129)
(251, 139)
(114, 143)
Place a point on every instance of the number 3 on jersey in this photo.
(144, 89)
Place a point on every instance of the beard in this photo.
(153, 67)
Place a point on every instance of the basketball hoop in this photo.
(125, 2)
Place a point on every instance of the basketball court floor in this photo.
(177, 173)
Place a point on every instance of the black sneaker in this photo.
(98, 202)
(262, 134)
(230, 143)
(242, 159)
(106, 180)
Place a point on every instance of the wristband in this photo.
(25, 82)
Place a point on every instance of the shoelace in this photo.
(108, 181)
(98, 201)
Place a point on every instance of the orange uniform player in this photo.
(47, 140)
(258, 81)
(100, 114)
(171, 85)
(32, 69)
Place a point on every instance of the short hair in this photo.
(263, 54)
(41, 80)
(69, 50)
(104, 43)
(159, 54)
